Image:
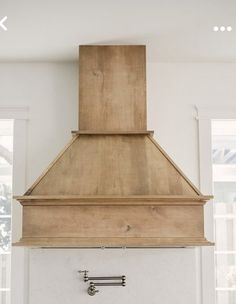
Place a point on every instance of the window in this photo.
(224, 181)
(6, 159)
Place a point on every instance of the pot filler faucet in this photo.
(116, 281)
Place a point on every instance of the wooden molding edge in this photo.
(51, 165)
(104, 132)
(176, 167)
(113, 200)
(119, 242)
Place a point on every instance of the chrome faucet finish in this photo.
(92, 285)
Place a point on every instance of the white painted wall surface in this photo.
(153, 276)
(50, 90)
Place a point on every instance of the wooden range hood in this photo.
(113, 185)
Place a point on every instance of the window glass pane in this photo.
(226, 270)
(6, 157)
(224, 182)
(224, 192)
(5, 234)
(225, 297)
(225, 238)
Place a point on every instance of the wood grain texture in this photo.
(113, 185)
(173, 163)
(110, 221)
(112, 88)
(120, 165)
(51, 165)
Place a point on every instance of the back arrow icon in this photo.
(2, 25)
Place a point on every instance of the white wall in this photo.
(50, 90)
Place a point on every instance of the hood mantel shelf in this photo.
(113, 185)
(112, 200)
(141, 132)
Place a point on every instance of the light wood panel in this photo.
(112, 88)
(113, 185)
(110, 221)
(51, 165)
(113, 165)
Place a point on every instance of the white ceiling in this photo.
(173, 30)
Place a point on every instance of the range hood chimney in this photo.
(113, 185)
(112, 88)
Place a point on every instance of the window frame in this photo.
(205, 115)
(19, 255)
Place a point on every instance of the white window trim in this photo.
(204, 117)
(19, 255)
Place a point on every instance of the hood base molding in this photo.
(113, 242)
(112, 225)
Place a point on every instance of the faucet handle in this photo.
(92, 289)
(82, 271)
(85, 272)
